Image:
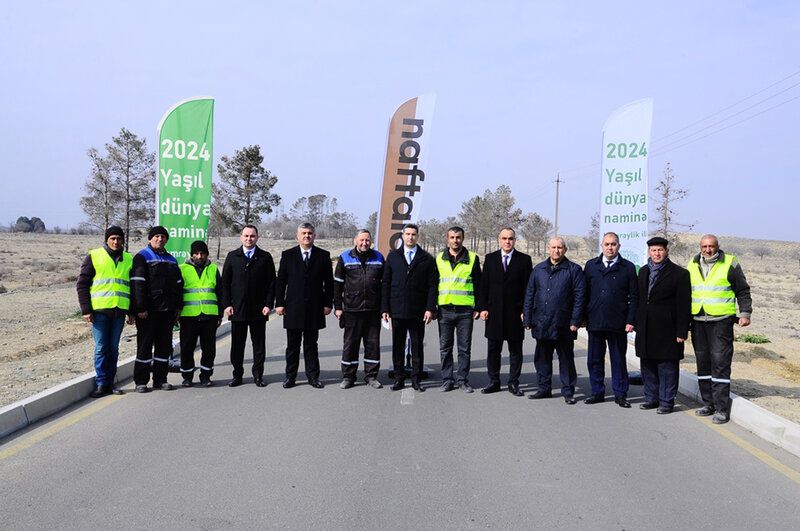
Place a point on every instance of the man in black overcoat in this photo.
(247, 281)
(410, 288)
(304, 297)
(662, 325)
(500, 298)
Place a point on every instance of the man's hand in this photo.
(326, 310)
(475, 315)
(385, 316)
(280, 310)
(88, 317)
(484, 315)
(680, 339)
(130, 319)
(428, 316)
(744, 321)
(629, 328)
(265, 311)
(229, 311)
(338, 314)
(573, 328)
(142, 315)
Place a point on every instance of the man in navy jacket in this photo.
(553, 311)
(612, 297)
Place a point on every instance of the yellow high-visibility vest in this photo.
(199, 293)
(111, 283)
(455, 285)
(714, 293)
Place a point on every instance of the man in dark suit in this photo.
(409, 299)
(500, 297)
(662, 325)
(247, 282)
(612, 299)
(304, 296)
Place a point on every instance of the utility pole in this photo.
(558, 182)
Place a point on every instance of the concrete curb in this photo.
(767, 425)
(50, 401)
(752, 417)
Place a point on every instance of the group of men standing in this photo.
(409, 288)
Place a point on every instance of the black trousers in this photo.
(193, 328)
(415, 329)
(309, 338)
(713, 347)
(361, 327)
(153, 347)
(258, 338)
(495, 348)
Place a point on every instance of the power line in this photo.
(730, 106)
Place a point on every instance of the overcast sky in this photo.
(523, 90)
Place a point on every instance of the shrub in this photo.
(752, 338)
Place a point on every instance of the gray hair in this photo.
(306, 225)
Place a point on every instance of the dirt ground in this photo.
(44, 341)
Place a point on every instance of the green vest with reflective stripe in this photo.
(199, 293)
(455, 285)
(713, 293)
(111, 283)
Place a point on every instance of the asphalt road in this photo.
(250, 458)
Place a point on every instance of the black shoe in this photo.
(541, 394)
(447, 386)
(514, 390)
(99, 390)
(163, 386)
(595, 399)
(398, 384)
(116, 391)
(491, 388)
(416, 386)
(705, 411)
(259, 382)
(570, 400)
(648, 405)
(236, 382)
(288, 383)
(664, 410)
(142, 389)
(622, 401)
(187, 382)
(316, 384)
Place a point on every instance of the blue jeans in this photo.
(460, 321)
(107, 331)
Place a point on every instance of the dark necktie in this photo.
(505, 263)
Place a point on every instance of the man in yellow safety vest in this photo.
(104, 295)
(718, 283)
(459, 278)
(201, 314)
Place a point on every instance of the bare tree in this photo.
(132, 170)
(592, 239)
(535, 229)
(244, 193)
(102, 198)
(761, 251)
(372, 223)
(667, 195)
